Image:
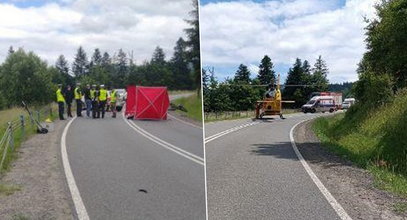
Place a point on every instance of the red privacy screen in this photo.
(147, 102)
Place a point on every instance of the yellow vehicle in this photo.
(271, 104)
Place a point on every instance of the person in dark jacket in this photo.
(88, 100)
(68, 99)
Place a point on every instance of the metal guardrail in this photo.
(18, 128)
(228, 115)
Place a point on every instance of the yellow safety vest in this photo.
(60, 97)
(113, 96)
(92, 94)
(78, 94)
(103, 95)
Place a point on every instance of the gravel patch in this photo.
(351, 186)
(38, 172)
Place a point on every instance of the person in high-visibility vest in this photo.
(102, 99)
(78, 97)
(61, 102)
(113, 98)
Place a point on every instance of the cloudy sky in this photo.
(235, 32)
(50, 28)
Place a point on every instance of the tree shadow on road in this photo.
(312, 152)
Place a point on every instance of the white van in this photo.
(348, 102)
(319, 104)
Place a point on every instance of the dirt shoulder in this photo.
(351, 186)
(39, 175)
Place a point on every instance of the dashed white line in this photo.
(220, 134)
(165, 144)
(76, 196)
(331, 200)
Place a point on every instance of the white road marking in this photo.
(165, 144)
(332, 201)
(220, 134)
(76, 196)
(185, 122)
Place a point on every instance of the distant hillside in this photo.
(345, 88)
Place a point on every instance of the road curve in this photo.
(121, 174)
(254, 173)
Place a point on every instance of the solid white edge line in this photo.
(164, 144)
(76, 196)
(185, 122)
(228, 131)
(332, 201)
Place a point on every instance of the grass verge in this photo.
(374, 139)
(8, 189)
(19, 135)
(193, 104)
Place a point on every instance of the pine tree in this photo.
(319, 76)
(80, 64)
(122, 69)
(193, 43)
(295, 77)
(62, 66)
(179, 64)
(11, 50)
(96, 57)
(242, 75)
(158, 56)
(106, 59)
(266, 72)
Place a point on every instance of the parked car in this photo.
(121, 99)
(320, 104)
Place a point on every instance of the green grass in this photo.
(8, 189)
(193, 105)
(374, 139)
(18, 135)
(400, 207)
(176, 92)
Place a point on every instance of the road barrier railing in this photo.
(17, 130)
(225, 115)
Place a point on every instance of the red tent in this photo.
(147, 102)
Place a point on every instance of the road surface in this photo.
(254, 173)
(138, 169)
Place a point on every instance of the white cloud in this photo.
(53, 29)
(244, 31)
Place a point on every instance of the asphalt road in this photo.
(122, 174)
(254, 173)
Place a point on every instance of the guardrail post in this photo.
(38, 116)
(22, 126)
(11, 136)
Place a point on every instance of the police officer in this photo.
(102, 99)
(78, 98)
(113, 98)
(61, 102)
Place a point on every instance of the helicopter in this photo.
(271, 103)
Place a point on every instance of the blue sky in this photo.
(235, 32)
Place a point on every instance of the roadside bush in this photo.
(373, 90)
